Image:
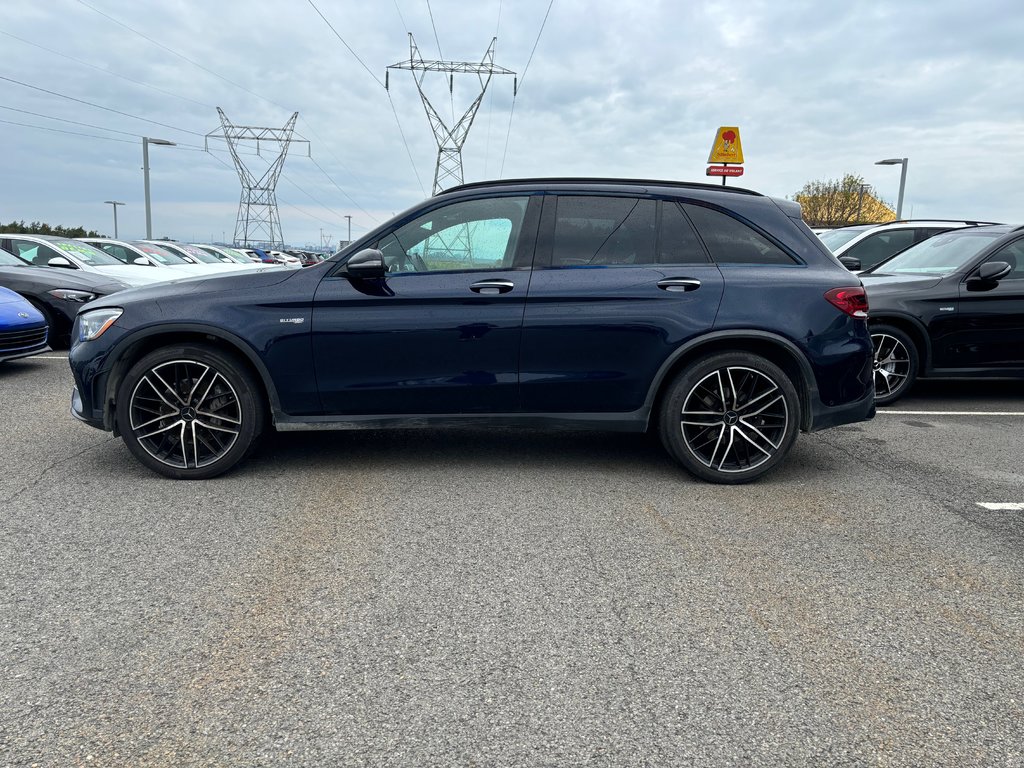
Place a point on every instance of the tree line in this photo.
(41, 228)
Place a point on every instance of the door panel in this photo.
(989, 325)
(605, 308)
(431, 337)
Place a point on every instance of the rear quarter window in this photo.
(731, 241)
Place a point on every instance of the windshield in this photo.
(835, 238)
(218, 253)
(199, 254)
(10, 260)
(938, 255)
(161, 255)
(85, 253)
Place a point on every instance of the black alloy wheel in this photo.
(190, 412)
(895, 364)
(730, 418)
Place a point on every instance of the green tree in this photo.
(841, 202)
(41, 228)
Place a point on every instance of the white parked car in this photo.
(197, 256)
(143, 254)
(66, 253)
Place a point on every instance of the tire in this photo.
(896, 363)
(742, 417)
(190, 412)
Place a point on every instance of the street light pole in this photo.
(903, 181)
(349, 228)
(114, 203)
(146, 141)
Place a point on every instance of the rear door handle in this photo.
(492, 287)
(679, 284)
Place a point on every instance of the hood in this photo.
(215, 283)
(15, 312)
(77, 279)
(134, 275)
(878, 283)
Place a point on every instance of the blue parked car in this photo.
(23, 329)
(710, 315)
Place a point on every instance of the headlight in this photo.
(92, 325)
(79, 297)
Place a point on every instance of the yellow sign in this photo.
(727, 147)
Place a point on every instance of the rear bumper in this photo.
(825, 416)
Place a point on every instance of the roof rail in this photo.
(597, 180)
(969, 222)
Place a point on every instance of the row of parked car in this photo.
(57, 275)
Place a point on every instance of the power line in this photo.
(98, 106)
(381, 84)
(512, 109)
(243, 88)
(106, 71)
(72, 122)
(378, 80)
(71, 133)
(180, 56)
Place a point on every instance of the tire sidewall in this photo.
(677, 391)
(242, 381)
(914, 358)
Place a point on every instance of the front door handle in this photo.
(679, 284)
(492, 287)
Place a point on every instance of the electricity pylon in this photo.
(450, 140)
(258, 220)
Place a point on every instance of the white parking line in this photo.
(951, 413)
(45, 357)
(997, 506)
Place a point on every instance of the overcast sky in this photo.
(632, 89)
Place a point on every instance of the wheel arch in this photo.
(913, 328)
(773, 347)
(133, 348)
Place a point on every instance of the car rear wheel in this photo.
(189, 412)
(896, 363)
(730, 417)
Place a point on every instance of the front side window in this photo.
(469, 235)
(880, 246)
(85, 253)
(33, 253)
(603, 231)
(733, 242)
(1013, 254)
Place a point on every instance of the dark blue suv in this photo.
(712, 315)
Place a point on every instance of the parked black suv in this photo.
(712, 315)
(949, 307)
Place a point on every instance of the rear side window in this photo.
(605, 231)
(679, 243)
(733, 242)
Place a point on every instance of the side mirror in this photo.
(992, 271)
(60, 261)
(852, 263)
(366, 265)
(142, 261)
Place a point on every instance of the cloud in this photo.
(625, 89)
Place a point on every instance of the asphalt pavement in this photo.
(500, 597)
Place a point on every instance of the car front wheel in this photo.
(730, 417)
(896, 362)
(189, 412)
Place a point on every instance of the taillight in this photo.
(852, 301)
